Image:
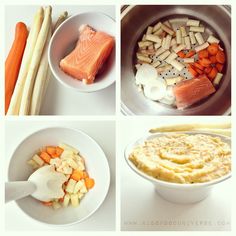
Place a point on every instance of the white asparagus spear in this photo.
(164, 55)
(40, 79)
(218, 78)
(153, 38)
(149, 30)
(31, 41)
(199, 38)
(200, 29)
(183, 31)
(45, 81)
(179, 48)
(178, 36)
(186, 127)
(192, 38)
(144, 44)
(167, 29)
(187, 42)
(168, 41)
(201, 47)
(156, 27)
(171, 57)
(34, 64)
(61, 18)
(177, 65)
(212, 39)
(191, 22)
(188, 60)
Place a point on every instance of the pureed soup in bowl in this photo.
(183, 166)
(183, 158)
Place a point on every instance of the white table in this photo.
(104, 133)
(60, 100)
(143, 209)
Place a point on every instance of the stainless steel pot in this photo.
(134, 21)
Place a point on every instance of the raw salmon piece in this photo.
(191, 91)
(90, 53)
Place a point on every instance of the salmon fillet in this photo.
(191, 91)
(90, 53)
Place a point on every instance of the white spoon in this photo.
(44, 184)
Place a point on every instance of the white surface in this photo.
(60, 100)
(67, 35)
(143, 209)
(103, 132)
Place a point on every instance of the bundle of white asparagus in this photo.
(34, 73)
(215, 128)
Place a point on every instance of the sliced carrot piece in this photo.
(181, 54)
(190, 54)
(213, 59)
(47, 203)
(77, 175)
(212, 73)
(205, 62)
(192, 71)
(200, 72)
(220, 57)
(197, 65)
(208, 69)
(219, 67)
(85, 174)
(59, 151)
(89, 182)
(45, 156)
(213, 49)
(203, 54)
(51, 150)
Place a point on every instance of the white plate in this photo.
(96, 165)
(64, 40)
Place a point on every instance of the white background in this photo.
(60, 100)
(122, 169)
(143, 209)
(102, 132)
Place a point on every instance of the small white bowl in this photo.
(96, 164)
(174, 192)
(64, 41)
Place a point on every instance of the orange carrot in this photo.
(213, 49)
(192, 71)
(190, 54)
(205, 62)
(213, 59)
(85, 174)
(77, 175)
(203, 54)
(219, 67)
(51, 150)
(59, 151)
(208, 69)
(200, 72)
(47, 203)
(89, 182)
(212, 73)
(13, 61)
(181, 54)
(197, 65)
(45, 156)
(220, 57)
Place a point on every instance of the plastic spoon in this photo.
(44, 184)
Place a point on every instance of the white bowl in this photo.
(174, 192)
(64, 40)
(96, 164)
